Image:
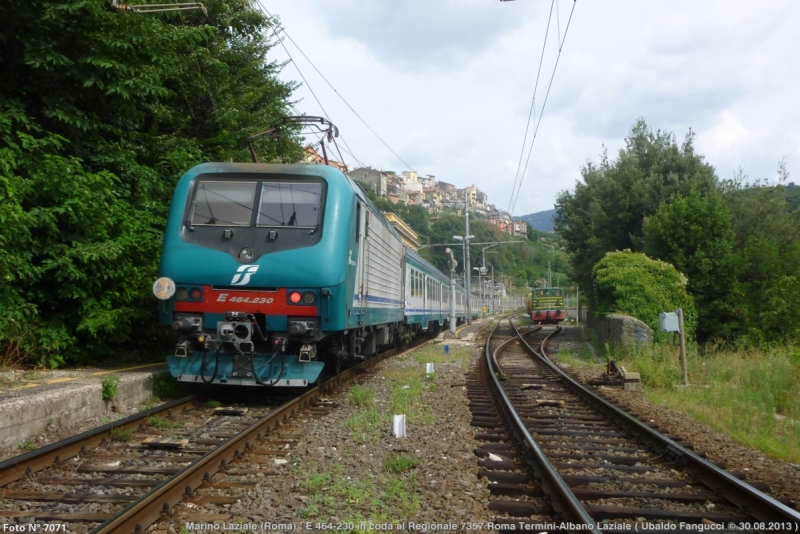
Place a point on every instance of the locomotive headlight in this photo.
(247, 254)
(163, 288)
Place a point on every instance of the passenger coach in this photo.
(271, 273)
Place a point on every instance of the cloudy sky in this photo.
(448, 84)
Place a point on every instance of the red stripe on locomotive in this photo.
(224, 300)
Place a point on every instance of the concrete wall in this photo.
(33, 413)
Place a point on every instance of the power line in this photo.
(532, 109)
(334, 90)
(277, 37)
(541, 113)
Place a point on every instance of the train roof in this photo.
(427, 265)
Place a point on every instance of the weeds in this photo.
(161, 423)
(366, 425)
(120, 434)
(314, 482)
(26, 446)
(150, 403)
(360, 396)
(110, 385)
(213, 404)
(434, 353)
(751, 395)
(398, 463)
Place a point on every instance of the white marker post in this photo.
(399, 426)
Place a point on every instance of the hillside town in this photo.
(434, 195)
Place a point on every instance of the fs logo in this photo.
(243, 273)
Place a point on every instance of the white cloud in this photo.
(447, 84)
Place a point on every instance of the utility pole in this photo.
(467, 264)
(452, 292)
(466, 270)
(494, 292)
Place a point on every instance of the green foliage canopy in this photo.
(695, 234)
(606, 212)
(100, 113)
(630, 283)
(766, 252)
(737, 241)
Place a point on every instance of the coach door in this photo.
(362, 279)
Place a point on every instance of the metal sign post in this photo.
(679, 311)
(673, 322)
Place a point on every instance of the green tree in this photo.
(630, 283)
(606, 211)
(100, 113)
(694, 233)
(767, 257)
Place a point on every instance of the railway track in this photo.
(580, 463)
(128, 475)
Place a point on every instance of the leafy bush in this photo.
(630, 283)
(110, 386)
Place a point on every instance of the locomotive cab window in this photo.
(290, 204)
(223, 203)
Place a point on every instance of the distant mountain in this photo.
(541, 220)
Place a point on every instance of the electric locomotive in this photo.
(547, 305)
(271, 274)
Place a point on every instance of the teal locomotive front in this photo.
(271, 274)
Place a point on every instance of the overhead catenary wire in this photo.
(332, 87)
(541, 112)
(338, 148)
(296, 66)
(532, 108)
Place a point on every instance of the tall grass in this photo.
(434, 353)
(751, 395)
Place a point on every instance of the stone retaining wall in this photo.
(621, 330)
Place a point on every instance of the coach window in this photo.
(290, 204)
(223, 203)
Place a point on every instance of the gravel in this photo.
(442, 486)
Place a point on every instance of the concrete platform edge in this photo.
(24, 417)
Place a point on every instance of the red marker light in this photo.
(295, 297)
(195, 293)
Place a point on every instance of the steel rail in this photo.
(739, 493)
(15, 468)
(563, 500)
(149, 508)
